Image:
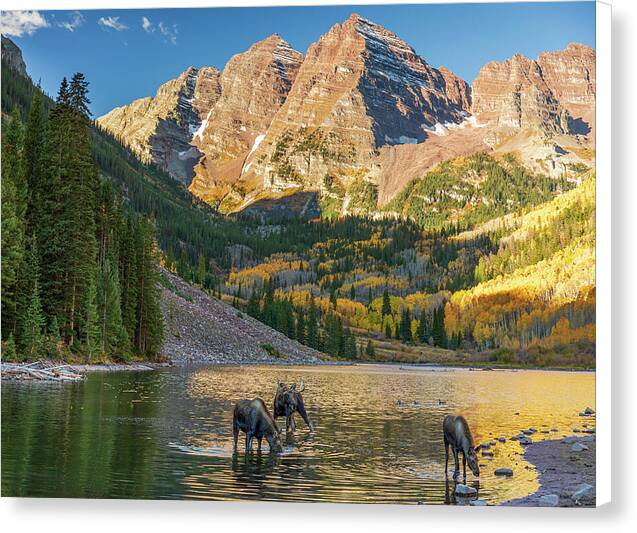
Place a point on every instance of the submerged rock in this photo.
(583, 491)
(549, 500)
(478, 503)
(503, 472)
(589, 411)
(579, 447)
(465, 490)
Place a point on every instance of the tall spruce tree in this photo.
(13, 215)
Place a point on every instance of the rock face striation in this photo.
(360, 87)
(160, 128)
(253, 85)
(12, 56)
(360, 112)
(552, 95)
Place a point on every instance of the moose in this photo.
(456, 434)
(253, 418)
(287, 401)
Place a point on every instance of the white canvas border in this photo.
(603, 252)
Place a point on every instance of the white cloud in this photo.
(112, 22)
(169, 32)
(17, 23)
(76, 20)
(147, 25)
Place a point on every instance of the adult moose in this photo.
(287, 401)
(253, 418)
(456, 434)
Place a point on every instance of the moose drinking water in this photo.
(287, 401)
(253, 418)
(456, 434)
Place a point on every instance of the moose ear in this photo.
(477, 448)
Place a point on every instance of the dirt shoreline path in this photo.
(566, 469)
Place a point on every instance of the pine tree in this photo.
(300, 327)
(112, 333)
(405, 325)
(369, 350)
(422, 333)
(90, 326)
(201, 271)
(386, 308)
(13, 213)
(312, 325)
(149, 332)
(32, 323)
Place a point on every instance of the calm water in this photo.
(168, 434)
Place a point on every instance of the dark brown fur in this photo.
(456, 434)
(253, 418)
(287, 401)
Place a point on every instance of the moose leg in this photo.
(464, 466)
(235, 433)
(259, 445)
(301, 409)
(248, 442)
(446, 456)
(456, 471)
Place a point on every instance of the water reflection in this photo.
(168, 434)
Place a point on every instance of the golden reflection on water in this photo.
(378, 431)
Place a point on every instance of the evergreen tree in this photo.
(422, 332)
(13, 210)
(90, 326)
(386, 308)
(405, 325)
(369, 350)
(312, 325)
(300, 327)
(253, 305)
(201, 270)
(149, 332)
(31, 327)
(113, 335)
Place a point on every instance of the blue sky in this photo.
(126, 58)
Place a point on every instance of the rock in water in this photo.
(579, 447)
(549, 500)
(478, 503)
(584, 491)
(465, 490)
(503, 472)
(589, 411)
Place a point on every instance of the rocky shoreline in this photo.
(566, 469)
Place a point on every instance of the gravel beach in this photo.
(566, 469)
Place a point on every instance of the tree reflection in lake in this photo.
(378, 437)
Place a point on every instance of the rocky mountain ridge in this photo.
(361, 111)
(12, 56)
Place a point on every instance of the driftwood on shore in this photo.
(40, 370)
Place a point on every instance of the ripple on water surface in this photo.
(377, 438)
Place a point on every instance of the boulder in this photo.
(503, 472)
(589, 411)
(583, 491)
(549, 500)
(465, 490)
